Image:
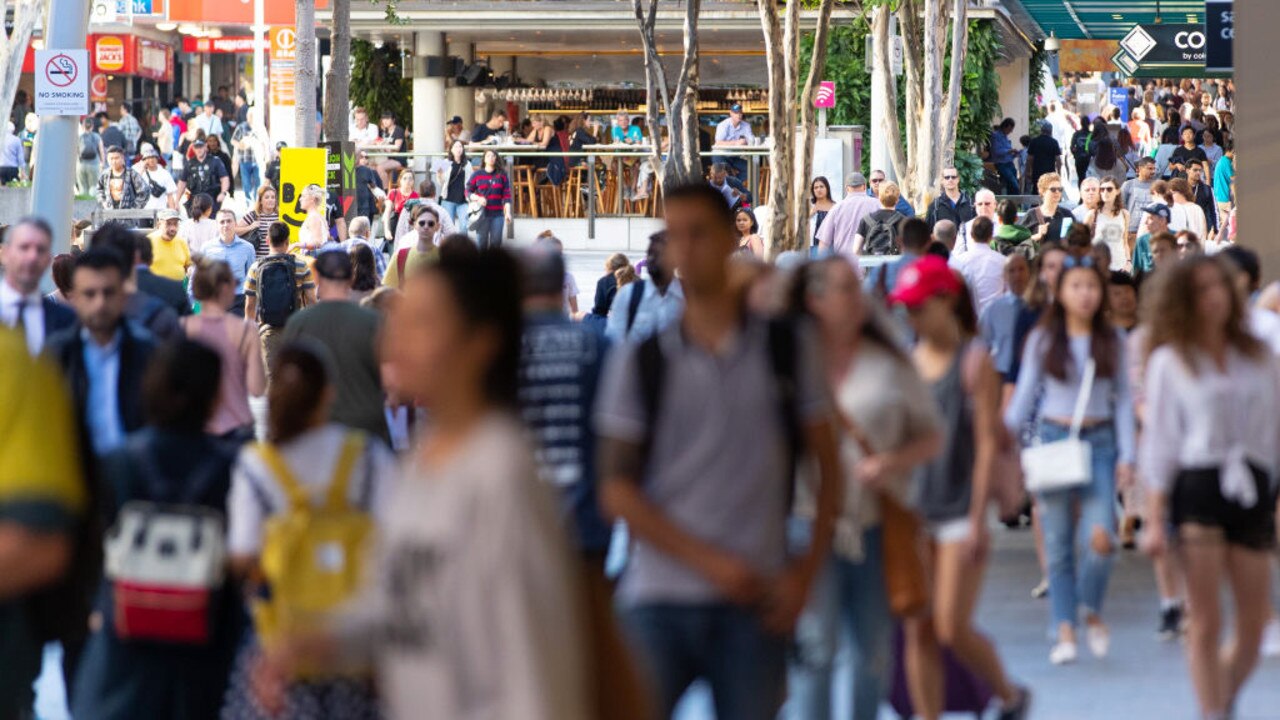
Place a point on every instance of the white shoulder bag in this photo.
(1067, 463)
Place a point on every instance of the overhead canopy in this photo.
(1104, 19)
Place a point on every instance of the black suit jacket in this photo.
(168, 291)
(57, 317)
(136, 346)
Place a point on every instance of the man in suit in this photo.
(143, 308)
(25, 255)
(170, 292)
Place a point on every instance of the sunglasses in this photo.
(1056, 189)
(426, 223)
(950, 177)
(1085, 261)
(1108, 189)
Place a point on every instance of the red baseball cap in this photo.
(923, 279)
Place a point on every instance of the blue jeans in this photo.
(1078, 575)
(489, 231)
(457, 213)
(725, 644)
(250, 179)
(1009, 174)
(737, 163)
(848, 605)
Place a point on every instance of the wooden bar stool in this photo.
(763, 190)
(549, 196)
(655, 200)
(574, 206)
(609, 198)
(526, 195)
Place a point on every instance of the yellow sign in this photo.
(299, 167)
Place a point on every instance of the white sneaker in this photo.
(1040, 590)
(1271, 639)
(1099, 640)
(1064, 653)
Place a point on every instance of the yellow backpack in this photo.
(311, 556)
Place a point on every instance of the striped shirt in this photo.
(494, 187)
(301, 276)
(258, 236)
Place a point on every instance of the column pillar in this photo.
(428, 98)
(1257, 98)
(461, 101)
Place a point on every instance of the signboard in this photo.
(108, 53)
(299, 167)
(826, 96)
(1086, 56)
(62, 82)
(281, 81)
(1119, 97)
(340, 176)
(153, 60)
(225, 44)
(284, 43)
(1219, 33)
(1163, 50)
(98, 88)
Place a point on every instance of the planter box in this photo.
(15, 202)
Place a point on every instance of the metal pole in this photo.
(52, 187)
(260, 61)
(591, 197)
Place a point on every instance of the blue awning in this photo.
(1104, 19)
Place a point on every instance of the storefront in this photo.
(126, 67)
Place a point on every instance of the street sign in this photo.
(340, 176)
(826, 96)
(897, 50)
(1119, 97)
(1165, 50)
(284, 53)
(1219, 32)
(62, 82)
(98, 88)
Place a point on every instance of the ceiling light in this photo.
(166, 26)
(1051, 43)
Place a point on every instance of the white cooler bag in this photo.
(1067, 463)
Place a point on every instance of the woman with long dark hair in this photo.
(366, 272)
(1209, 459)
(820, 203)
(891, 426)
(1109, 221)
(491, 186)
(254, 224)
(749, 240)
(453, 184)
(953, 492)
(1075, 354)
(1106, 157)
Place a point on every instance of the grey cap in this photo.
(149, 152)
(166, 214)
(855, 179)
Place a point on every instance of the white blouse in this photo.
(1211, 418)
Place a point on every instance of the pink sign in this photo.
(826, 97)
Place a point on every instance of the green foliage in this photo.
(969, 166)
(846, 51)
(377, 81)
(1036, 65)
(979, 91)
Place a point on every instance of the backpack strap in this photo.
(633, 306)
(652, 367)
(298, 501)
(352, 448)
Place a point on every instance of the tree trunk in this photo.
(337, 82)
(882, 74)
(913, 81)
(928, 149)
(305, 110)
(658, 97)
(777, 55)
(683, 163)
(951, 107)
(13, 47)
(808, 126)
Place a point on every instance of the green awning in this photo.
(1106, 19)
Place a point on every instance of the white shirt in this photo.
(367, 136)
(1188, 216)
(1211, 418)
(473, 610)
(161, 177)
(210, 124)
(32, 315)
(983, 270)
(311, 457)
(199, 234)
(1265, 325)
(571, 290)
(656, 311)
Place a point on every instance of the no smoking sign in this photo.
(62, 83)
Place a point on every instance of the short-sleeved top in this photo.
(632, 134)
(1044, 153)
(718, 465)
(1034, 217)
(301, 275)
(397, 134)
(160, 177)
(1224, 173)
(256, 494)
(169, 258)
(204, 176)
(726, 131)
(238, 254)
(350, 334)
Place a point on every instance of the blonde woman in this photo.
(315, 230)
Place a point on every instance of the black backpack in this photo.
(1080, 145)
(783, 363)
(882, 235)
(89, 146)
(633, 307)
(277, 291)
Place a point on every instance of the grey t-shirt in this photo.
(717, 467)
(1136, 195)
(349, 332)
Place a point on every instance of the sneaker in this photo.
(1021, 709)
(1271, 639)
(1040, 590)
(1170, 623)
(1099, 638)
(1064, 653)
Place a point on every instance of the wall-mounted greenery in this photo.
(377, 81)
(1039, 60)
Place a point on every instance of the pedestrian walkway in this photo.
(1143, 679)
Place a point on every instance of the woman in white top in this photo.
(1110, 223)
(886, 408)
(315, 230)
(1185, 214)
(200, 230)
(1209, 456)
(309, 447)
(473, 608)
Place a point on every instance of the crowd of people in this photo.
(251, 471)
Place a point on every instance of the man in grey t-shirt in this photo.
(705, 485)
(1136, 193)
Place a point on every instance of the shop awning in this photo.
(1103, 19)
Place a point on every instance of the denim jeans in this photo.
(457, 213)
(1077, 574)
(1009, 175)
(250, 179)
(724, 644)
(489, 231)
(737, 163)
(849, 606)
